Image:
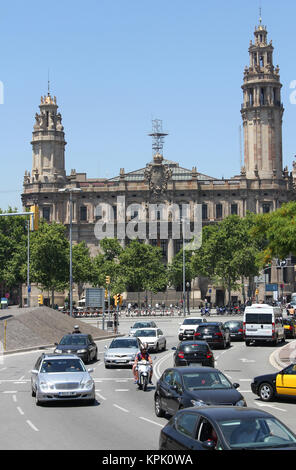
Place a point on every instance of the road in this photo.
(122, 411)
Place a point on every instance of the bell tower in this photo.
(48, 143)
(262, 111)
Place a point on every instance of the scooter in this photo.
(143, 374)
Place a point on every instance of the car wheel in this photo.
(33, 393)
(164, 346)
(37, 401)
(247, 342)
(266, 392)
(107, 366)
(160, 413)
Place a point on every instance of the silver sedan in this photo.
(121, 352)
(61, 377)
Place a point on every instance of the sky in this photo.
(115, 65)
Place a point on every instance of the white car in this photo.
(189, 327)
(139, 325)
(154, 337)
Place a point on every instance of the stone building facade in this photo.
(262, 185)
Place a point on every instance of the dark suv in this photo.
(193, 352)
(214, 333)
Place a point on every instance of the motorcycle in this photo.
(143, 374)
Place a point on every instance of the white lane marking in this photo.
(149, 421)
(32, 425)
(10, 391)
(156, 371)
(20, 410)
(3, 368)
(21, 378)
(120, 408)
(100, 396)
(122, 390)
(18, 382)
(14, 398)
(269, 406)
(245, 380)
(121, 380)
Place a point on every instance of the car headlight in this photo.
(241, 403)
(58, 351)
(88, 384)
(81, 351)
(46, 385)
(198, 403)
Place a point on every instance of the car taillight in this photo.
(240, 330)
(181, 355)
(209, 355)
(273, 329)
(244, 327)
(218, 334)
(197, 334)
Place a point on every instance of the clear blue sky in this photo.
(114, 65)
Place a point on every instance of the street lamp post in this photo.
(184, 267)
(70, 191)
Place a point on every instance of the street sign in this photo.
(271, 287)
(261, 279)
(94, 297)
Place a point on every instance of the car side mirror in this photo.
(236, 385)
(208, 445)
(34, 371)
(174, 348)
(90, 370)
(56, 344)
(105, 346)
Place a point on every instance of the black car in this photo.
(80, 344)
(214, 333)
(290, 327)
(225, 428)
(276, 385)
(193, 352)
(183, 387)
(236, 329)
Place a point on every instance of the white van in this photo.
(263, 322)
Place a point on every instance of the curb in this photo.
(36, 348)
(284, 355)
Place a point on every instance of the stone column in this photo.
(170, 250)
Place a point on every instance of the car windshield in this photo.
(193, 347)
(123, 343)
(145, 333)
(256, 433)
(192, 321)
(61, 365)
(204, 380)
(73, 340)
(232, 324)
(141, 325)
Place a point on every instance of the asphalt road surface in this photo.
(123, 417)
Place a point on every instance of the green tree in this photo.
(107, 263)
(81, 265)
(50, 257)
(175, 270)
(142, 268)
(228, 252)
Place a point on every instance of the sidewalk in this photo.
(286, 354)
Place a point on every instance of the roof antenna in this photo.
(260, 14)
(48, 84)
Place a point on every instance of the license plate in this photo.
(121, 360)
(67, 394)
(207, 336)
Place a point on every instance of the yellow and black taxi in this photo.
(290, 327)
(277, 385)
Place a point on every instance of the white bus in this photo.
(263, 322)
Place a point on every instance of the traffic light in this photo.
(107, 279)
(34, 219)
(117, 299)
(40, 299)
(106, 293)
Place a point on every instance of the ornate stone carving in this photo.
(157, 176)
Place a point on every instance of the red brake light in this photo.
(197, 334)
(218, 334)
(209, 355)
(240, 330)
(181, 355)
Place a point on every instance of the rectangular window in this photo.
(204, 211)
(83, 213)
(46, 213)
(218, 211)
(265, 208)
(233, 209)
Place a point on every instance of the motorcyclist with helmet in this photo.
(143, 355)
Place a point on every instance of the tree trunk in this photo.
(52, 298)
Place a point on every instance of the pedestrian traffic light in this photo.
(40, 299)
(34, 219)
(107, 279)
